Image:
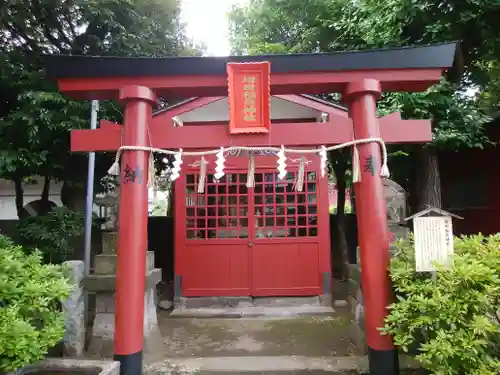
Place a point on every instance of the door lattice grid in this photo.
(222, 212)
(282, 212)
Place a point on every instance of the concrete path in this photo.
(298, 336)
(270, 366)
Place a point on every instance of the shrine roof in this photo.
(414, 57)
(312, 98)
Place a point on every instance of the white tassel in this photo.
(299, 184)
(323, 161)
(114, 170)
(219, 164)
(203, 175)
(251, 171)
(281, 163)
(356, 171)
(384, 172)
(176, 170)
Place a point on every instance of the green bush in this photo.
(55, 234)
(30, 318)
(451, 321)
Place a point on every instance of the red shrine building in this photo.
(266, 238)
(271, 239)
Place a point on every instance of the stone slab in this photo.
(74, 310)
(246, 301)
(106, 283)
(286, 301)
(109, 239)
(271, 364)
(105, 264)
(252, 311)
(257, 336)
(57, 365)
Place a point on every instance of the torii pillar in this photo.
(361, 97)
(132, 234)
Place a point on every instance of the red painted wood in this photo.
(467, 164)
(371, 214)
(211, 265)
(337, 130)
(281, 84)
(215, 269)
(285, 269)
(133, 218)
(247, 113)
(108, 125)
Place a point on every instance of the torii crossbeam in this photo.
(360, 77)
(393, 130)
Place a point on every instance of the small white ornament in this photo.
(323, 160)
(219, 164)
(175, 172)
(281, 163)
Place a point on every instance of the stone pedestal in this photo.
(73, 308)
(102, 283)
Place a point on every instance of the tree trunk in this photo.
(44, 197)
(340, 168)
(429, 181)
(18, 187)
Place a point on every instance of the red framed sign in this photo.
(249, 93)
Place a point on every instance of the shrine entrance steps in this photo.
(263, 345)
(250, 307)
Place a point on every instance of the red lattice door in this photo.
(285, 248)
(235, 241)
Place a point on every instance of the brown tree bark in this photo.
(429, 180)
(18, 188)
(44, 197)
(340, 168)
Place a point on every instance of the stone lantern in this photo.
(102, 283)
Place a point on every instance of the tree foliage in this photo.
(55, 235)
(34, 118)
(275, 26)
(458, 106)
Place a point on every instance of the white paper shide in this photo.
(433, 242)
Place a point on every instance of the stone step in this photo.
(252, 311)
(269, 365)
(247, 301)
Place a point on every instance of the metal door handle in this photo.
(250, 243)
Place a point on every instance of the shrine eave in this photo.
(398, 69)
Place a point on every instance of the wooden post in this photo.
(132, 231)
(361, 97)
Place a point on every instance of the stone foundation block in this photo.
(105, 264)
(73, 308)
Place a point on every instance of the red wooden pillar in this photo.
(373, 241)
(132, 230)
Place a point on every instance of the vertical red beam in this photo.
(373, 230)
(132, 231)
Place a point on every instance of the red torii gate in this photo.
(360, 76)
